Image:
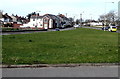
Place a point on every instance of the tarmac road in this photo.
(97, 28)
(80, 71)
(10, 33)
(26, 32)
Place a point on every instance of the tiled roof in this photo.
(34, 16)
(54, 17)
(6, 16)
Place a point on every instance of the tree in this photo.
(108, 18)
(71, 19)
(30, 14)
(1, 13)
(77, 21)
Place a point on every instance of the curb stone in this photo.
(59, 65)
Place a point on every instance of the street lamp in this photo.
(91, 17)
(73, 19)
(81, 18)
(105, 13)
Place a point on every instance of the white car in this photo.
(76, 26)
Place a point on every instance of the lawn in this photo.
(61, 47)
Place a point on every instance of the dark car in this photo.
(105, 28)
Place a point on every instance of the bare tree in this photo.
(110, 17)
(77, 21)
(1, 13)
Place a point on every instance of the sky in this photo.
(90, 9)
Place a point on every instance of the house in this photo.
(64, 20)
(96, 23)
(51, 21)
(14, 19)
(36, 21)
(6, 18)
(18, 19)
(47, 21)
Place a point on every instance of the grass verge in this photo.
(61, 47)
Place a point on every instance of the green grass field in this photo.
(60, 47)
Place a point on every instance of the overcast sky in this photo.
(88, 8)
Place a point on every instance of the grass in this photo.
(74, 46)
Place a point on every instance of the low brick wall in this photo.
(17, 25)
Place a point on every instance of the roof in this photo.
(54, 17)
(63, 17)
(6, 16)
(34, 17)
(13, 16)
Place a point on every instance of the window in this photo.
(45, 20)
(114, 27)
(34, 19)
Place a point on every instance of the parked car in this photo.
(76, 26)
(57, 29)
(112, 29)
(105, 28)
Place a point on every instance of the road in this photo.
(97, 28)
(26, 32)
(92, 28)
(10, 33)
(81, 71)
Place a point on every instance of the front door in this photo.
(46, 23)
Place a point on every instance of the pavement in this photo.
(61, 70)
(80, 71)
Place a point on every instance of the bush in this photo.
(9, 29)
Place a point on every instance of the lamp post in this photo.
(81, 18)
(90, 17)
(105, 22)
